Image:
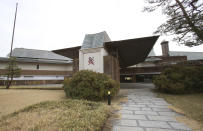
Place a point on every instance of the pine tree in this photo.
(12, 71)
(185, 19)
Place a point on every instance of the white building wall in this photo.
(42, 66)
(35, 77)
(97, 56)
(2, 65)
(96, 61)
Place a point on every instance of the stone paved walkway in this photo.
(145, 112)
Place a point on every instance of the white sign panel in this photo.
(92, 61)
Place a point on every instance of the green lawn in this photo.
(75, 115)
(190, 104)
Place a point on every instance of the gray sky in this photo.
(56, 24)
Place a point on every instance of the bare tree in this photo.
(185, 19)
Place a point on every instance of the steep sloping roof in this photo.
(38, 54)
(190, 55)
(72, 52)
(152, 53)
(132, 51)
(152, 59)
(95, 40)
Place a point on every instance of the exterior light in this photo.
(109, 98)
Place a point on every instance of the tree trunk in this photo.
(8, 84)
(7, 81)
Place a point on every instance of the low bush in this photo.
(180, 79)
(90, 85)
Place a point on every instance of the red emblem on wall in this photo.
(91, 61)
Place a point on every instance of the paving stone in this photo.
(179, 126)
(159, 106)
(156, 124)
(127, 128)
(161, 109)
(142, 103)
(158, 99)
(139, 100)
(126, 123)
(130, 100)
(137, 105)
(162, 103)
(133, 117)
(131, 108)
(161, 118)
(146, 99)
(146, 109)
(159, 129)
(155, 101)
(169, 113)
(145, 112)
(130, 103)
(126, 111)
(148, 105)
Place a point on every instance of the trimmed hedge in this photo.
(180, 80)
(90, 85)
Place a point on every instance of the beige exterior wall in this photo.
(97, 54)
(2, 65)
(42, 66)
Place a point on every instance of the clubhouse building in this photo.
(131, 60)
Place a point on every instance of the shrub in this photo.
(180, 79)
(90, 85)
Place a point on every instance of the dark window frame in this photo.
(37, 67)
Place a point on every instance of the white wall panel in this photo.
(92, 61)
(35, 77)
(42, 66)
(97, 55)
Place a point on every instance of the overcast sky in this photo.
(56, 24)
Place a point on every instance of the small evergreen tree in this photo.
(12, 71)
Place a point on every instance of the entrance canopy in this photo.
(132, 51)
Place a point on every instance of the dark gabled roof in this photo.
(95, 40)
(38, 54)
(190, 55)
(72, 52)
(32, 60)
(151, 53)
(132, 51)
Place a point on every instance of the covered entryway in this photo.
(100, 54)
(128, 53)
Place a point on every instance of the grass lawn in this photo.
(190, 104)
(76, 115)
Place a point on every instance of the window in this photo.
(37, 66)
(28, 76)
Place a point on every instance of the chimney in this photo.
(165, 48)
